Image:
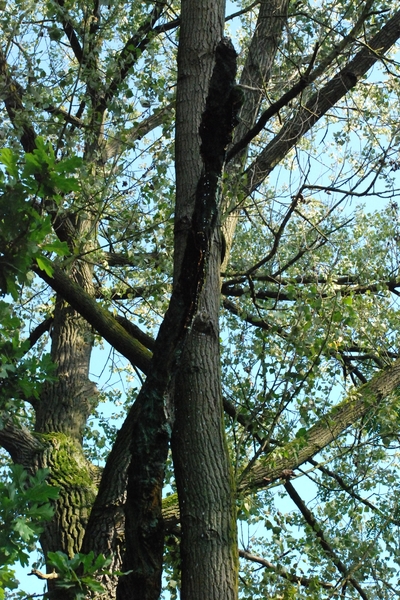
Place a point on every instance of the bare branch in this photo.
(277, 236)
(316, 527)
(297, 579)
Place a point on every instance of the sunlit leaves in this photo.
(25, 232)
(79, 574)
(25, 505)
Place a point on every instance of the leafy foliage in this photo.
(79, 575)
(309, 293)
(25, 506)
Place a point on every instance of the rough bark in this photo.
(61, 416)
(204, 479)
(201, 461)
(203, 474)
(151, 431)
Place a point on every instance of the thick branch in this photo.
(135, 331)
(19, 442)
(98, 317)
(325, 431)
(347, 288)
(71, 119)
(37, 333)
(70, 32)
(321, 102)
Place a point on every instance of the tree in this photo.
(257, 317)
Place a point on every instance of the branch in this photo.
(305, 80)
(316, 527)
(262, 294)
(343, 280)
(70, 32)
(321, 102)
(297, 579)
(293, 454)
(11, 94)
(272, 110)
(246, 421)
(277, 235)
(41, 575)
(348, 488)
(347, 287)
(37, 333)
(117, 145)
(133, 49)
(135, 331)
(115, 259)
(106, 325)
(71, 119)
(329, 427)
(12, 97)
(19, 442)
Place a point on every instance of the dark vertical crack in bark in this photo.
(152, 427)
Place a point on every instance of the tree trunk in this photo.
(254, 81)
(61, 416)
(202, 469)
(201, 461)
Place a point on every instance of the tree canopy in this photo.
(200, 201)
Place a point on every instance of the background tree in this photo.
(248, 299)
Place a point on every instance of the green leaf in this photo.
(301, 433)
(59, 560)
(60, 248)
(337, 316)
(45, 265)
(10, 160)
